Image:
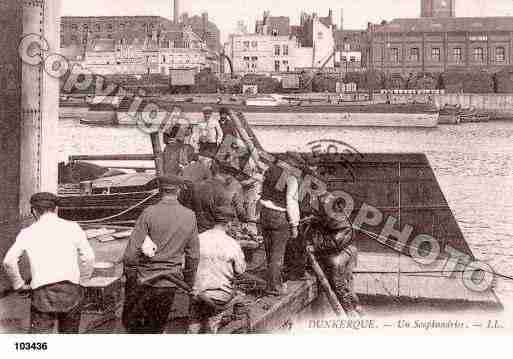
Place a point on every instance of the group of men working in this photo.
(183, 242)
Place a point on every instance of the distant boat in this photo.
(276, 111)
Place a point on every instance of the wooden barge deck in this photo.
(399, 185)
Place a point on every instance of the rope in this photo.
(123, 212)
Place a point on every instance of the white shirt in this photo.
(292, 209)
(221, 258)
(211, 131)
(57, 250)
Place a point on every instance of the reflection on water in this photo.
(473, 163)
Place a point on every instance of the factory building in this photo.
(438, 41)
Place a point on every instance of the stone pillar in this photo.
(29, 100)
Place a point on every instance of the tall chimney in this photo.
(176, 11)
(341, 19)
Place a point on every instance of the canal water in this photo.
(473, 164)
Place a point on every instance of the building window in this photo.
(458, 57)
(109, 36)
(277, 50)
(98, 27)
(73, 38)
(277, 66)
(110, 27)
(254, 60)
(246, 46)
(435, 54)
(286, 65)
(62, 39)
(352, 59)
(84, 40)
(74, 27)
(500, 54)
(163, 59)
(395, 55)
(85, 27)
(122, 27)
(414, 54)
(285, 50)
(478, 54)
(254, 44)
(143, 27)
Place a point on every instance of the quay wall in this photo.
(500, 106)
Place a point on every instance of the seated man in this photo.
(221, 259)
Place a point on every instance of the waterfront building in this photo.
(276, 46)
(439, 41)
(135, 45)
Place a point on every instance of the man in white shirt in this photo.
(279, 218)
(211, 133)
(58, 251)
(221, 259)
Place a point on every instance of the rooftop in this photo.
(503, 23)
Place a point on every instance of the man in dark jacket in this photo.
(177, 154)
(172, 229)
(222, 190)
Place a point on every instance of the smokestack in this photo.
(176, 11)
(341, 19)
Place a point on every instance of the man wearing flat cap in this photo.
(221, 259)
(171, 229)
(59, 256)
(211, 133)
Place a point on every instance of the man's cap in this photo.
(171, 181)
(208, 109)
(224, 111)
(44, 200)
(224, 214)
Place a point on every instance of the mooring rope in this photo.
(154, 194)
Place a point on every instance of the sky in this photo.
(226, 13)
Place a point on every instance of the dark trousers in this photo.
(147, 308)
(296, 256)
(44, 323)
(275, 230)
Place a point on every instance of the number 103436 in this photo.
(28, 346)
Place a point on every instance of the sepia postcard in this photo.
(242, 167)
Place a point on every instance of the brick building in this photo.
(441, 44)
(82, 29)
(438, 8)
(139, 44)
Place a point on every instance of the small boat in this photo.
(449, 115)
(271, 100)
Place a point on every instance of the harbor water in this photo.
(473, 164)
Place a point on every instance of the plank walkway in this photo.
(398, 278)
